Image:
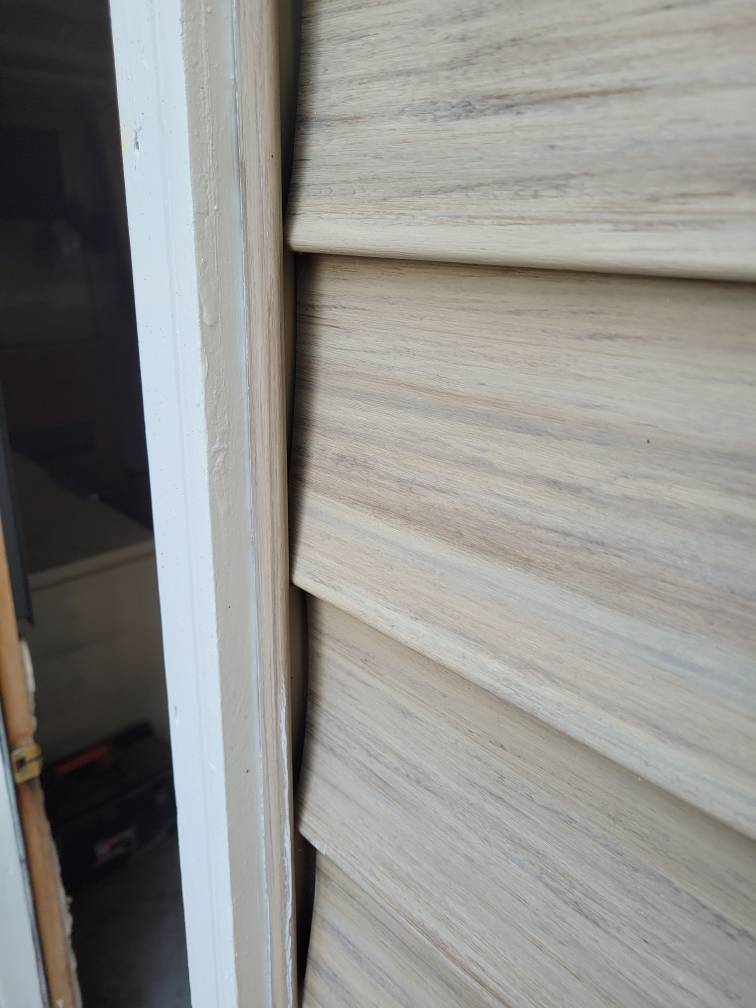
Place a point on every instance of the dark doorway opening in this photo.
(77, 466)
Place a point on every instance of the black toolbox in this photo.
(108, 801)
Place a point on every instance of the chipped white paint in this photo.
(175, 70)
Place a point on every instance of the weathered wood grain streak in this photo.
(615, 135)
(546, 482)
(362, 953)
(544, 872)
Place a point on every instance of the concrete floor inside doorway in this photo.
(129, 933)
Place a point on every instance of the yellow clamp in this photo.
(27, 762)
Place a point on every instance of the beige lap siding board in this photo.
(611, 135)
(524, 503)
(543, 872)
(546, 482)
(362, 953)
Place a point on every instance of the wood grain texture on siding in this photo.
(540, 869)
(546, 482)
(362, 954)
(616, 136)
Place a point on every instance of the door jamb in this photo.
(197, 186)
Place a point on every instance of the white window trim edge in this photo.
(177, 104)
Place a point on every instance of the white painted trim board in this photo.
(176, 93)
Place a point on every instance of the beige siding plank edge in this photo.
(383, 622)
(326, 236)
